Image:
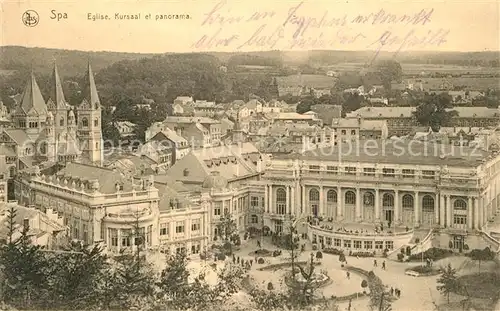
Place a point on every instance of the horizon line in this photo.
(235, 52)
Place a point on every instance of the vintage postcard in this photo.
(250, 155)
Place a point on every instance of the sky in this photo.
(253, 25)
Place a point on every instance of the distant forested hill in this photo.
(69, 62)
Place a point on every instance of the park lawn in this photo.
(481, 285)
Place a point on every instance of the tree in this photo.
(447, 281)
(177, 293)
(342, 257)
(364, 285)
(482, 255)
(23, 266)
(435, 111)
(76, 277)
(389, 70)
(319, 255)
(227, 231)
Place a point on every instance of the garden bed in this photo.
(424, 270)
(283, 265)
(261, 253)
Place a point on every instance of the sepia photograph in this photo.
(250, 155)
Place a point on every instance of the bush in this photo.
(400, 257)
(221, 256)
(270, 286)
(319, 255)
(333, 251)
(260, 261)
(466, 247)
(203, 256)
(417, 240)
(314, 247)
(362, 254)
(432, 253)
(364, 284)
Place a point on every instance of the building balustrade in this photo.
(367, 177)
(360, 234)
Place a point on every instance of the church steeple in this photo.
(237, 131)
(32, 101)
(56, 90)
(90, 92)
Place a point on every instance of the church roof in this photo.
(32, 101)
(56, 97)
(90, 95)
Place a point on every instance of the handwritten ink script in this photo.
(292, 28)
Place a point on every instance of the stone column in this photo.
(417, 207)
(358, 204)
(377, 205)
(436, 209)
(340, 204)
(396, 207)
(481, 211)
(266, 199)
(469, 213)
(303, 207)
(476, 213)
(293, 198)
(442, 209)
(321, 201)
(270, 202)
(119, 244)
(449, 215)
(287, 202)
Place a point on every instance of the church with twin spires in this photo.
(52, 130)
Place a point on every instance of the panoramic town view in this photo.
(250, 178)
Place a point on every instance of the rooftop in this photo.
(397, 152)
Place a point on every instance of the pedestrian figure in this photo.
(348, 275)
(375, 262)
(392, 291)
(258, 244)
(383, 265)
(251, 262)
(238, 260)
(399, 293)
(234, 259)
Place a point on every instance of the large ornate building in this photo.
(53, 130)
(412, 184)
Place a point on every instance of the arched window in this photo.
(61, 122)
(96, 122)
(314, 195)
(281, 201)
(407, 201)
(85, 122)
(388, 200)
(350, 197)
(97, 145)
(331, 196)
(428, 203)
(460, 204)
(280, 195)
(368, 199)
